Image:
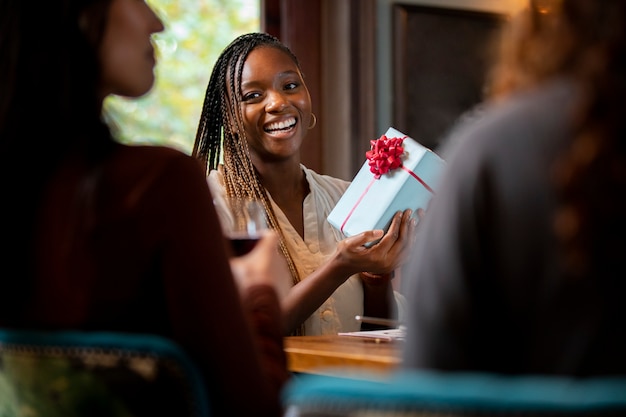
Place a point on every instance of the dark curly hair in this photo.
(586, 40)
(49, 107)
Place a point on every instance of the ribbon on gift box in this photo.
(385, 154)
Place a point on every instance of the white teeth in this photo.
(281, 125)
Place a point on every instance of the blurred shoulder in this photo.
(153, 154)
(138, 159)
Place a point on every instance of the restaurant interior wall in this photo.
(371, 64)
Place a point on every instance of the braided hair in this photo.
(221, 132)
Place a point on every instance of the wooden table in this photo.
(325, 354)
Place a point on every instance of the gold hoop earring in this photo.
(312, 125)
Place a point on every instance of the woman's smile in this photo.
(281, 126)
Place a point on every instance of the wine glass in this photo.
(245, 224)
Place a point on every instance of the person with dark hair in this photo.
(103, 236)
(256, 114)
(519, 261)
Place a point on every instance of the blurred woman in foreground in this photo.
(102, 236)
(519, 264)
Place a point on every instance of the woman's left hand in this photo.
(391, 251)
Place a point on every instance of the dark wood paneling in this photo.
(297, 23)
(363, 71)
(440, 62)
(300, 30)
(440, 57)
(270, 17)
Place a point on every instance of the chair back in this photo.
(72, 374)
(453, 394)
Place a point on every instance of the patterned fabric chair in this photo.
(433, 394)
(72, 374)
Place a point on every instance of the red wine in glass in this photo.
(243, 243)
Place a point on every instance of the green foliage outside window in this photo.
(195, 33)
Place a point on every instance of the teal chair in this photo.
(97, 374)
(438, 394)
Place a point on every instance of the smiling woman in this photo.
(256, 115)
(197, 31)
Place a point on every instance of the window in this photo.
(195, 33)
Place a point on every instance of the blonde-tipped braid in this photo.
(242, 180)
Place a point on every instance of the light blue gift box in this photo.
(370, 203)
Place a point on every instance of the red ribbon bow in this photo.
(385, 154)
